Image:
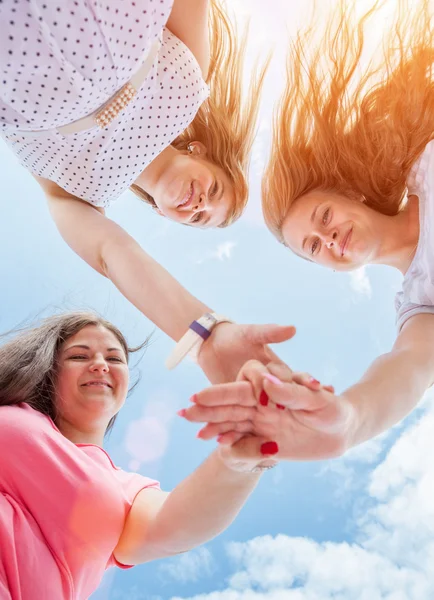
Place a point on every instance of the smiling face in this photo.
(194, 191)
(332, 230)
(92, 378)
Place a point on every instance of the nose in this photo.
(331, 240)
(99, 364)
(200, 202)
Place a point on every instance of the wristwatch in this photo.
(190, 343)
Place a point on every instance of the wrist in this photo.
(352, 425)
(199, 331)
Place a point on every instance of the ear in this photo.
(197, 149)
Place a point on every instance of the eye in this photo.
(78, 357)
(115, 359)
(325, 216)
(314, 246)
(215, 188)
(197, 218)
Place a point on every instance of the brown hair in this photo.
(337, 131)
(226, 122)
(28, 361)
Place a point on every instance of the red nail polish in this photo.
(313, 380)
(218, 438)
(182, 412)
(280, 406)
(193, 398)
(263, 399)
(269, 448)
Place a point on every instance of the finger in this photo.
(270, 334)
(280, 370)
(310, 382)
(240, 392)
(292, 395)
(251, 447)
(217, 414)
(306, 380)
(212, 430)
(228, 439)
(253, 371)
(329, 388)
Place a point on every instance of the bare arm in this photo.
(198, 509)
(106, 247)
(189, 22)
(319, 424)
(395, 382)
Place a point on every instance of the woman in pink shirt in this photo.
(67, 512)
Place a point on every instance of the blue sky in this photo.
(356, 528)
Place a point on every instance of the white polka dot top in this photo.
(60, 61)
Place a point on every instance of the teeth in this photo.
(188, 197)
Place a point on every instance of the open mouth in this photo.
(187, 197)
(345, 241)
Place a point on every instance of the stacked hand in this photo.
(231, 345)
(305, 420)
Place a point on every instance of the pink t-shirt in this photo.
(62, 509)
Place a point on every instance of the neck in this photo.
(89, 435)
(149, 178)
(400, 237)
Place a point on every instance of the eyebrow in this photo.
(88, 348)
(312, 219)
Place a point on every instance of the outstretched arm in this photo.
(106, 247)
(395, 382)
(111, 251)
(199, 508)
(318, 424)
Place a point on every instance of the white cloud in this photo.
(222, 252)
(360, 283)
(189, 567)
(392, 555)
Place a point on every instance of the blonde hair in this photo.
(226, 122)
(337, 131)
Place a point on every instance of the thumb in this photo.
(251, 451)
(270, 334)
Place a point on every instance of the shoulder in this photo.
(19, 422)
(420, 180)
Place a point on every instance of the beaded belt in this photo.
(104, 115)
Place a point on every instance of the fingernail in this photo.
(218, 438)
(182, 412)
(193, 398)
(315, 381)
(280, 406)
(199, 434)
(273, 379)
(269, 448)
(263, 398)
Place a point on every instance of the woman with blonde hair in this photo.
(67, 513)
(350, 182)
(98, 97)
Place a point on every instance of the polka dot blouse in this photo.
(60, 61)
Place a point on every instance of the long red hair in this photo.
(358, 135)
